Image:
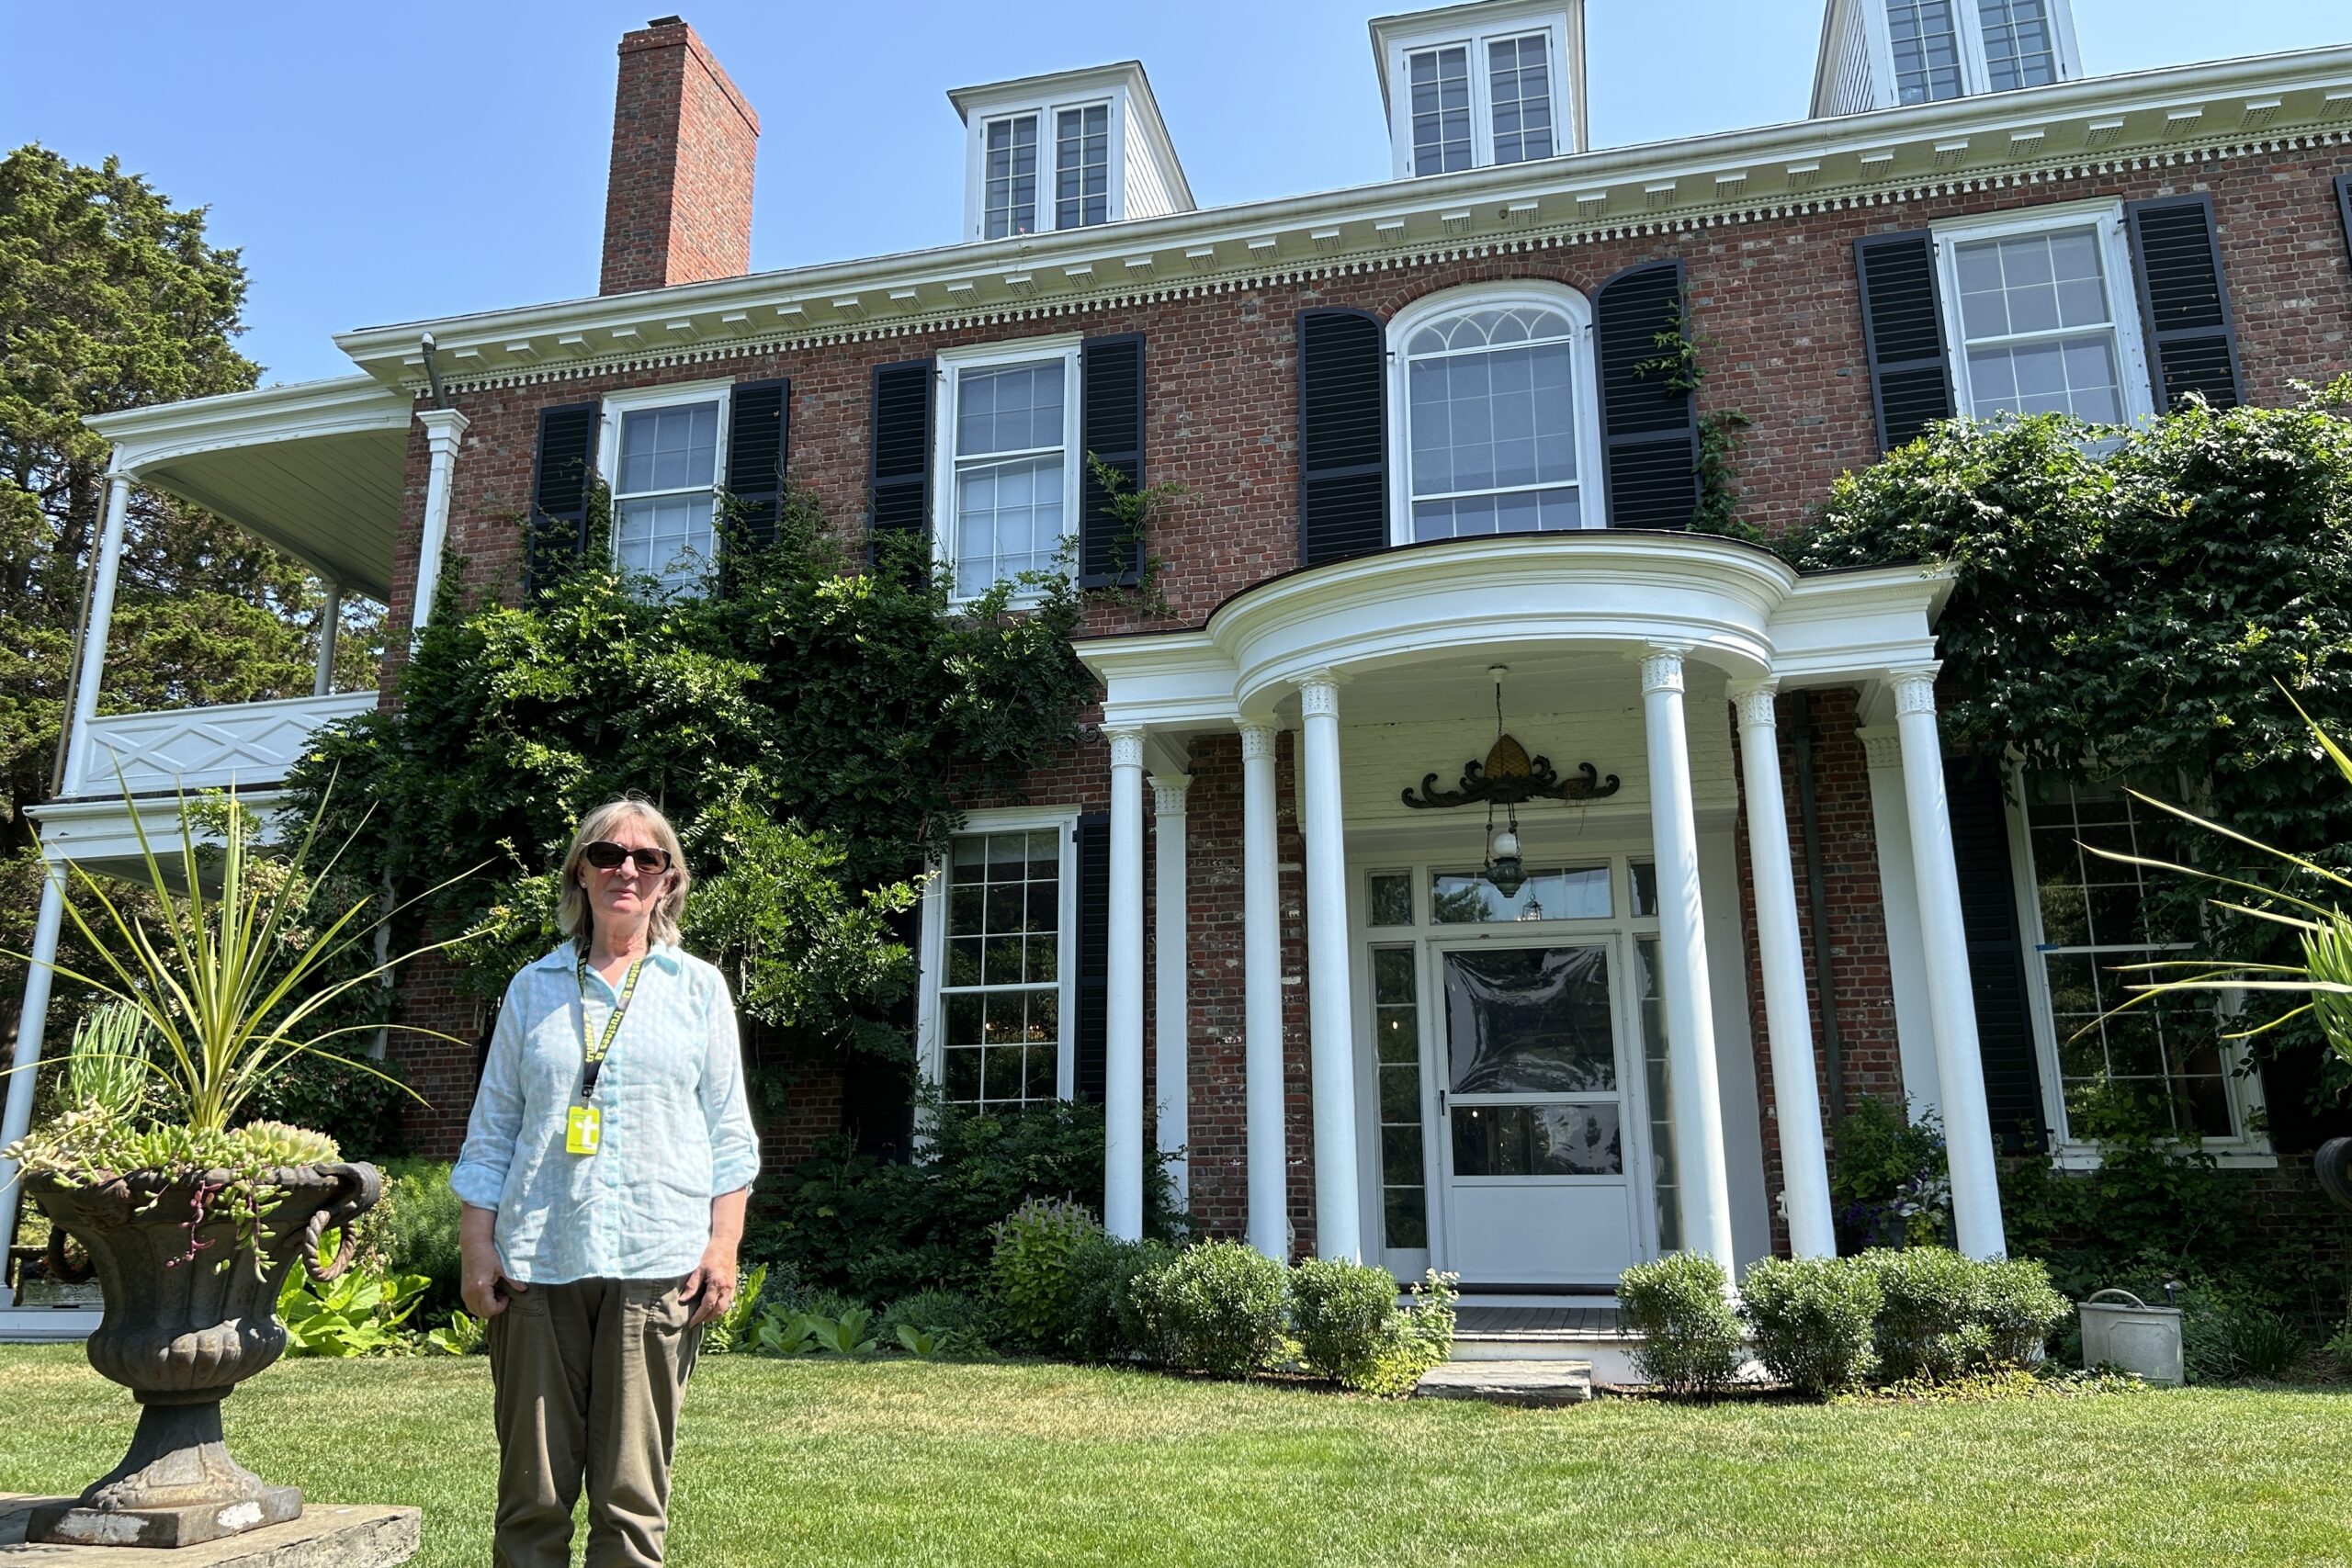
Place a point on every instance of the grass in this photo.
(833, 1462)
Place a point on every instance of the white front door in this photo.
(1536, 1134)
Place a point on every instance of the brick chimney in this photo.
(678, 200)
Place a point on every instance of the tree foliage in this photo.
(814, 730)
(2137, 604)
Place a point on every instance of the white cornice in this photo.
(144, 436)
(2104, 125)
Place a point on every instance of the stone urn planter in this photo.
(190, 1312)
(2335, 1166)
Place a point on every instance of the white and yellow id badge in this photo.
(583, 1131)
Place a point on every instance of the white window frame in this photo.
(929, 1012)
(2122, 285)
(1048, 112)
(1584, 389)
(2250, 1150)
(1038, 216)
(1976, 69)
(1401, 50)
(952, 365)
(636, 400)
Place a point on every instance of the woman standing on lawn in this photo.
(604, 1173)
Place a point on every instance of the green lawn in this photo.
(823, 1462)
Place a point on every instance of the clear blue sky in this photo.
(379, 163)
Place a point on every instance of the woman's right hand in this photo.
(482, 1283)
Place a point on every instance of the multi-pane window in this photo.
(1469, 898)
(1491, 406)
(1441, 88)
(2159, 1065)
(1519, 79)
(2038, 324)
(1000, 995)
(1397, 1045)
(1926, 36)
(1009, 203)
(1656, 1077)
(1082, 166)
(664, 492)
(2020, 49)
(1010, 438)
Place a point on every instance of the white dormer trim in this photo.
(1395, 39)
(1139, 142)
(1841, 81)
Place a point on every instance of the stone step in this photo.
(1509, 1383)
(327, 1535)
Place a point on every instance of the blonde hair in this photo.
(573, 913)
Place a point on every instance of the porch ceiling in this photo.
(315, 469)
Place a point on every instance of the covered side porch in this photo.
(1527, 995)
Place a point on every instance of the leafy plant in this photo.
(1680, 1306)
(1029, 1273)
(925, 1343)
(1812, 1321)
(844, 1335)
(106, 1065)
(358, 1312)
(1942, 1315)
(732, 1327)
(1132, 512)
(1216, 1308)
(418, 1217)
(1350, 1328)
(784, 1334)
(1891, 1185)
(2227, 1333)
(463, 1334)
(1102, 1323)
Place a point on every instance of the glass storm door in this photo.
(1533, 1145)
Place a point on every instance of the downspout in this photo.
(1817, 890)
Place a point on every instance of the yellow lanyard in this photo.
(593, 1052)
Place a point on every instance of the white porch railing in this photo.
(247, 744)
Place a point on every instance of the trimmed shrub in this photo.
(1812, 1319)
(419, 1235)
(1349, 1329)
(1102, 1323)
(1214, 1308)
(950, 1311)
(1029, 1273)
(1943, 1316)
(1690, 1336)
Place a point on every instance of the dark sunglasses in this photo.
(606, 855)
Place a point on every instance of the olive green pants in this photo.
(589, 1378)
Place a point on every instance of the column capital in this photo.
(441, 427)
(1662, 667)
(1881, 746)
(1754, 704)
(1257, 737)
(1126, 747)
(1168, 792)
(1318, 694)
(1915, 687)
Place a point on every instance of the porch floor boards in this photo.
(1535, 1322)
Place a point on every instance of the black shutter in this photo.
(1089, 1030)
(759, 430)
(2192, 344)
(1649, 428)
(1111, 373)
(2344, 206)
(560, 477)
(902, 475)
(1997, 958)
(1342, 435)
(1902, 334)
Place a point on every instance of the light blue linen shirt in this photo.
(676, 1130)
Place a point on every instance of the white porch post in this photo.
(1682, 959)
(1952, 1002)
(1262, 945)
(94, 638)
(1123, 1064)
(32, 1019)
(1805, 1159)
(442, 430)
(1339, 1228)
(1171, 969)
(330, 632)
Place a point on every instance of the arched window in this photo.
(1497, 436)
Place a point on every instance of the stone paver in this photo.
(327, 1536)
(1510, 1382)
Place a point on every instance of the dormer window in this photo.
(1470, 86)
(1070, 151)
(1879, 54)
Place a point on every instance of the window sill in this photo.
(2235, 1154)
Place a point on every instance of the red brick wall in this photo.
(678, 197)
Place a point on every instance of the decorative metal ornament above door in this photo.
(1509, 776)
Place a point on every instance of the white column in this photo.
(1683, 962)
(1261, 951)
(94, 644)
(442, 430)
(1330, 1012)
(1171, 961)
(1898, 896)
(1123, 1064)
(1952, 999)
(330, 632)
(32, 1018)
(1805, 1158)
